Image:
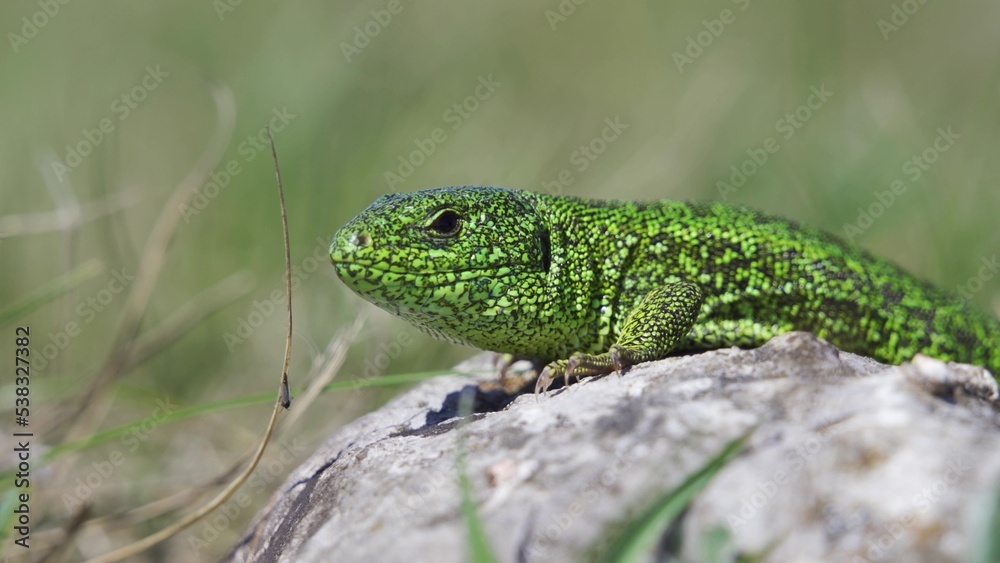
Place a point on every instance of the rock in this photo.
(846, 460)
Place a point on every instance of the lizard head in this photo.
(447, 259)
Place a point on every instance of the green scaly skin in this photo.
(590, 287)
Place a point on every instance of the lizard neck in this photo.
(594, 245)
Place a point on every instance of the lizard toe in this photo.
(543, 382)
(571, 365)
(616, 359)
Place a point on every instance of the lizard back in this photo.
(761, 275)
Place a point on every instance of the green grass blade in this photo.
(184, 413)
(986, 548)
(641, 534)
(715, 545)
(8, 501)
(479, 545)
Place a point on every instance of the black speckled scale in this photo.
(546, 277)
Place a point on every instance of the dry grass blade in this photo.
(154, 255)
(168, 532)
(59, 551)
(188, 316)
(140, 514)
(282, 402)
(286, 397)
(48, 221)
(49, 291)
(333, 358)
(93, 406)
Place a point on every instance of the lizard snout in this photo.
(347, 244)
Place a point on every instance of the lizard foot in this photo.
(503, 361)
(548, 375)
(616, 359)
(578, 366)
(543, 382)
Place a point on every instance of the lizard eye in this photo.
(446, 222)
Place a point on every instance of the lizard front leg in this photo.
(650, 332)
(513, 381)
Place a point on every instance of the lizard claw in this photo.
(571, 365)
(616, 359)
(504, 361)
(543, 382)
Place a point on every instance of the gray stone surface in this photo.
(847, 460)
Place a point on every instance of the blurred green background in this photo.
(694, 85)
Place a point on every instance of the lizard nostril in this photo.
(347, 244)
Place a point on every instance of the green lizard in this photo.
(589, 287)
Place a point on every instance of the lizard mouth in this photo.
(347, 254)
(368, 270)
(416, 295)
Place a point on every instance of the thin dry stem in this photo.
(153, 257)
(282, 401)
